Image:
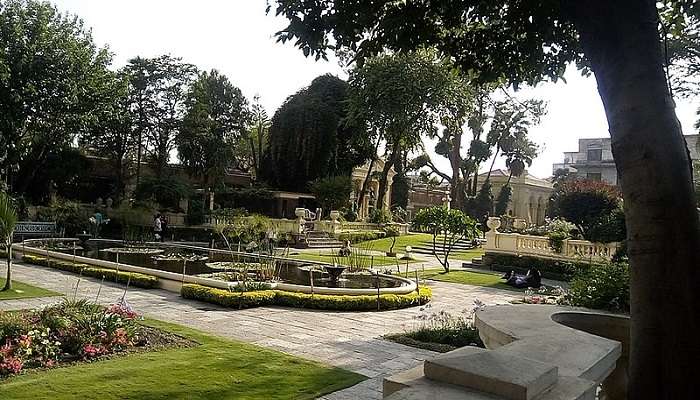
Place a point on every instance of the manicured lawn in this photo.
(412, 239)
(415, 240)
(23, 291)
(468, 278)
(217, 369)
(379, 260)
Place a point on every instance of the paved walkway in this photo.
(350, 340)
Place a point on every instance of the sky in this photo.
(237, 38)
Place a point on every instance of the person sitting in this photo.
(345, 251)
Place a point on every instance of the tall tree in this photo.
(312, 125)
(256, 140)
(216, 119)
(52, 80)
(113, 135)
(528, 41)
(399, 97)
(158, 90)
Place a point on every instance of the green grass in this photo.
(468, 278)
(379, 260)
(415, 240)
(23, 291)
(217, 369)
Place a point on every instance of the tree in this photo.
(312, 125)
(53, 79)
(583, 202)
(216, 119)
(448, 226)
(399, 97)
(528, 41)
(113, 134)
(256, 139)
(332, 193)
(8, 220)
(158, 90)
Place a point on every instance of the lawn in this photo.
(217, 369)
(378, 260)
(468, 278)
(23, 291)
(415, 240)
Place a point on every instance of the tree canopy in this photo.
(216, 118)
(310, 136)
(53, 80)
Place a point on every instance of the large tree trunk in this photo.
(621, 40)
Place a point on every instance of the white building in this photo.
(594, 159)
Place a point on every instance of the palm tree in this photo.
(519, 153)
(8, 220)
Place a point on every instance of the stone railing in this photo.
(539, 246)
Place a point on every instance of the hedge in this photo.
(362, 236)
(549, 268)
(303, 300)
(134, 278)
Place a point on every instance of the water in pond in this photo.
(219, 265)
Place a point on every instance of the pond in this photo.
(223, 265)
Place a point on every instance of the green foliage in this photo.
(379, 216)
(585, 203)
(244, 228)
(549, 268)
(253, 199)
(157, 96)
(449, 225)
(609, 228)
(302, 300)
(70, 218)
(195, 211)
(333, 192)
(166, 191)
(53, 80)
(110, 275)
(503, 200)
(440, 332)
(360, 236)
(312, 125)
(216, 119)
(604, 286)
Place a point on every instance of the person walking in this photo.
(158, 228)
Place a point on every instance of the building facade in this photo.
(529, 198)
(594, 159)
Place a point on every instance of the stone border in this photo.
(173, 281)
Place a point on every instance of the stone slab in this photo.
(503, 375)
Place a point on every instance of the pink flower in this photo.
(90, 351)
(10, 365)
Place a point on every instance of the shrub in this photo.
(549, 268)
(332, 193)
(604, 286)
(609, 228)
(584, 202)
(303, 300)
(441, 332)
(69, 217)
(361, 236)
(134, 278)
(166, 191)
(379, 216)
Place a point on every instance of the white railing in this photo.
(540, 246)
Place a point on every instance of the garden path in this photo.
(350, 340)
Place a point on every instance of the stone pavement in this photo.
(349, 340)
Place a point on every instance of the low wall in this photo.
(539, 246)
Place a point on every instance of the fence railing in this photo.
(528, 245)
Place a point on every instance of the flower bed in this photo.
(74, 331)
(302, 300)
(440, 331)
(134, 278)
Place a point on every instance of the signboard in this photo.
(35, 228)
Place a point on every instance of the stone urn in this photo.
(493, 223)
(335, 215)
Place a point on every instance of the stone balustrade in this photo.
(540, 246)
